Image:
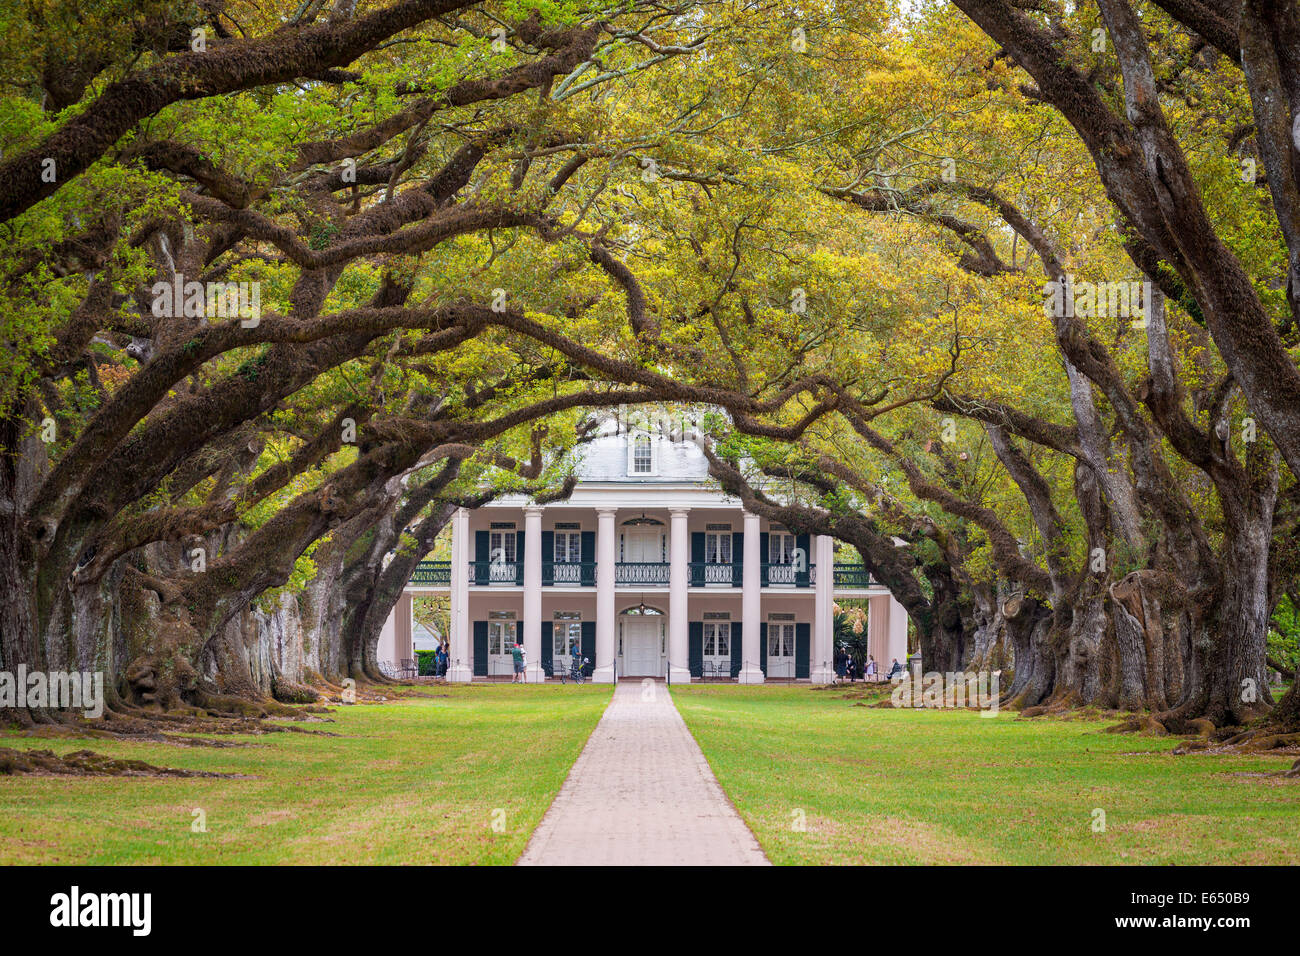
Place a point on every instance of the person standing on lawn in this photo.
(517, 653)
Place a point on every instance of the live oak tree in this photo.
(830, 228)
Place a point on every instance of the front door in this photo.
(780, 650)
(641, 648)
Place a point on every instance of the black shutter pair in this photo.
(697, 559)
(738, 559)
(548, 639)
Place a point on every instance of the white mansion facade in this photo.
(648, 570)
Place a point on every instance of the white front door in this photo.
(780, 650)
(641, 648)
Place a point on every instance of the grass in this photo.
(908, 786)
(415, 780)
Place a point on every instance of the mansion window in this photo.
(566, 635)
(780, 548)
(780, 636)
(717, 639)
(568, 543)
(717, 544)
(502, 632)
(642, 455)
(501, 542)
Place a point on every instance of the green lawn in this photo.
(908, 786)
(412, 781)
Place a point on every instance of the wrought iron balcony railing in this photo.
(581, 573)
(654, 573)
(648, 573)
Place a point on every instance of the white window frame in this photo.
(780, 547)
(635, 440)
(781, 633)
(566, 634)
(717, 545)
(503, 634)
(718, 635)
(568, 546)
(503, 539)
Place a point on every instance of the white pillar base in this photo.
(533, 674)
(603, 675)
(752, 674)
(459, 674)
(823, 675)
(679, 675)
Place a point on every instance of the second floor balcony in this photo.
(639, 574)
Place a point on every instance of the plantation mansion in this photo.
(647, 570)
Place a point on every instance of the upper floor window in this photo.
(641, 455)
(501, 543)
(717, 544)
(568, 546)
(780, 548)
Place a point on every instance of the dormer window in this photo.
(641, 459)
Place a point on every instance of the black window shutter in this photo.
(762, 648)
(738, 559)
(480, 649)
(801, 577)
(695, 645)
(802, 649)
(697, 558)
(737, 648)
(589, 645)
(481, 558)
(764, 555)
(588, 563)
(519, 558)
(548, 557)
(548, 635)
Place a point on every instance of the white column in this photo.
(460, 668)
(533, 673)
(822, 670)
(751, 605)
(679, 557)
(605, 551)
(898, 632)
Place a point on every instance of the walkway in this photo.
(641, 794)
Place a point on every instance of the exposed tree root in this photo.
(87, 763)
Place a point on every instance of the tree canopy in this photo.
(1014, 284)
